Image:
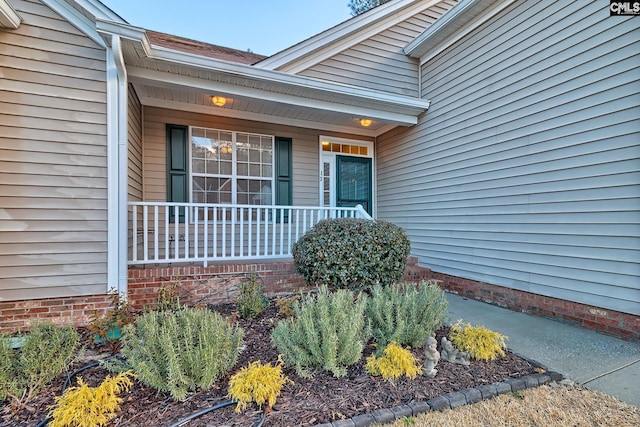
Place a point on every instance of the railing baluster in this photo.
(145, 225)
(167, 247)
(266, 232)
(215, 232)
(134, 233)
(224, 232)
(232, 250)
(206, 235)
(289, 230)
(155, 233)
(241, 237)
(249, 230)
(176, 232)
(186, 233)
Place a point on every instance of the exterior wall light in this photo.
(365, 122)
(219, 101)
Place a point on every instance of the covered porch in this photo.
(221, 164)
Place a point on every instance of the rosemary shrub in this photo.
(47, 351)
(329, 331)
(406, 313)
(181, 351)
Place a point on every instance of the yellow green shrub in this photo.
(84, 406)
(257, 383)
(480, 342)
(394, 363)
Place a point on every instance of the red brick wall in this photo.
(18, 315)
(615, 323)
(210, 285)
(219, 283)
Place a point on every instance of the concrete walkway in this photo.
(597, 361)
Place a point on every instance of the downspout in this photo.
(117, 166)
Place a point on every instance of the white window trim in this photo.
(234, 163)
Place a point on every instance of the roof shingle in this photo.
(200, 48)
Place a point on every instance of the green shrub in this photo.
(252, 300)
(47, 351)
(180, 351)
(352, 253)
(329, 332)
(406, 313)
(480, 342)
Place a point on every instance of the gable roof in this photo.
(322, 46)
(204, 49)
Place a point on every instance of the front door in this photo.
(346, 173)
(353, 182)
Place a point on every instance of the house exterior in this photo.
(501, 135)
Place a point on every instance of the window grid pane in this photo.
(213, 153)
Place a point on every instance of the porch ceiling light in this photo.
(365, 122)
(219, 101)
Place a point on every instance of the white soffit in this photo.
(343, 36)
(8, 17)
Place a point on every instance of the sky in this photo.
(263, 26)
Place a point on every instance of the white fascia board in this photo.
(343, 36)
(258, 117)
(457, 23)
(77, 19)
(99, 10)
(174, 81)
(9, 18)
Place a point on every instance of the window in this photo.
(231, 167)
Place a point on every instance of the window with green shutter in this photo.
(177, 167)
(227, 167)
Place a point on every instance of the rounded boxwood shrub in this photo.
(352, 253)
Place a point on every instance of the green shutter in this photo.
(283, 169)
(177, 167)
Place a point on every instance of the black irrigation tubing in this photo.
(263, 416)
(68, 381)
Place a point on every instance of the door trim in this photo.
(330, 156)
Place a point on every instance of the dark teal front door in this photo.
(353, 182)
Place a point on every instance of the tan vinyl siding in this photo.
(305, 150)
(53, 175)
(135, 146)
(379, 62)
(525, 171)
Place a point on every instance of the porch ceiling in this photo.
(183, 81)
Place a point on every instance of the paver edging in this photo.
(454, 399)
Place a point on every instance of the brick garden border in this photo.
(451, 400)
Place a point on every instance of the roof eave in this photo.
(454, 25)
(399, 109)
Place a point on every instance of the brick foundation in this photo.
(620, 325)
(219, 283)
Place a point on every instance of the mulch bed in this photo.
(306, 402)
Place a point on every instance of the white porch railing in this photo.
(206, 233)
